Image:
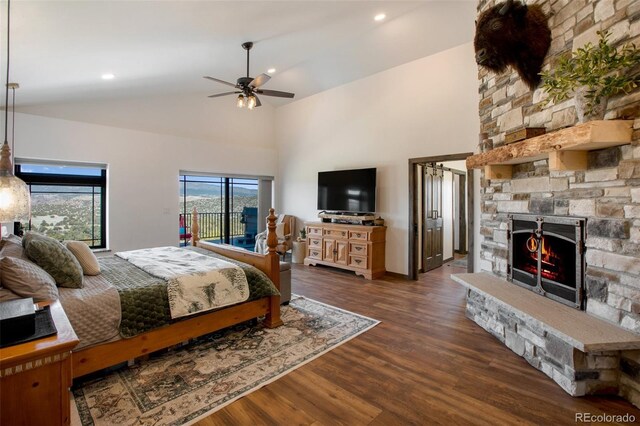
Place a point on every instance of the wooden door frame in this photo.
(413, 209)
(462, 212)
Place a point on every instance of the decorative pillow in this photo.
(54, 258)
(6, 295)
(29, 235)
(85, 257)
(280, 231)
(12, 247)
(27, 279)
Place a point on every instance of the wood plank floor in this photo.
(426, 363)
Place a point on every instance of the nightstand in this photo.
(35, 377)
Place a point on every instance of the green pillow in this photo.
(54, 258)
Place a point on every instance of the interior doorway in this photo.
(440, 212)
(430, 217)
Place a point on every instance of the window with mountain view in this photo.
(227, 208)
(67, 202)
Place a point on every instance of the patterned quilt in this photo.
(195, 282)
(144, 300)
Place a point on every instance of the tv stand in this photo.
(356, 248)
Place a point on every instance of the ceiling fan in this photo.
(248, 88)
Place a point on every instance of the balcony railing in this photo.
(212, 225)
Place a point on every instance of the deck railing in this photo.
(212, 225)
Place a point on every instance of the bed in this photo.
(92, 358)
(113, 327)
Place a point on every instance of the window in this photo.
(227, 208)
(68, 202)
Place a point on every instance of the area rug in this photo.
(186, 384)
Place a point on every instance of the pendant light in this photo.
(15, 202)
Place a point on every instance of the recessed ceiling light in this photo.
(271, 70)
(379, 17)
(108, 76)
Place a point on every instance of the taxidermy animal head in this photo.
(512, 33)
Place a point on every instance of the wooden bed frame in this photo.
(105, 355)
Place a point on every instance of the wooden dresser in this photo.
(356, 248)
(35, 377)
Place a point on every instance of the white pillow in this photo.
(280, 231)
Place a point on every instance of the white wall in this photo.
(143, 168)
(186, 115)
(422, 108)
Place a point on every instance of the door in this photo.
(335, 251)
(432, 217)
(227, 208)
(328, 249)
(341, 252)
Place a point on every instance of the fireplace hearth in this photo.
(546, 255)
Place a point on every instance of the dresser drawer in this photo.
(358, 235)
(315, 253)
(336, 233)
(358, 261)
(312, 230)
(358, 248)
(315, 243)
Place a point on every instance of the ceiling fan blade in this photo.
(223, 94)
(220, 81)
(260, 80)
(276, 93)
(258, 103)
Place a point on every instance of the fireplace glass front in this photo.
(546, 256)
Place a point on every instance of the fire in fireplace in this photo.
(546, 255)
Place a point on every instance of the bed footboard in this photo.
(268, 263)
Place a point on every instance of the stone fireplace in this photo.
(597, 349)
(546, 255)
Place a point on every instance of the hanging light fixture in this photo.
(251, 102)
(240, 102)
(15, 202)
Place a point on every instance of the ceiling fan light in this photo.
(251, 102)
(240, 102)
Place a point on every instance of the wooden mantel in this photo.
(566, 148)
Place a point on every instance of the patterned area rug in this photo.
(181, 386)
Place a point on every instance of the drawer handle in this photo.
(358, 248)
(315, 242)
(358, 261)
(358, 235)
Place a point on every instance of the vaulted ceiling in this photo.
(160, 49)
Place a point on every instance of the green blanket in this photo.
(143, 297)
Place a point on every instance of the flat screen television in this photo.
(347, 191)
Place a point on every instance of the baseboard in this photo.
(448, 260)
(397, 275)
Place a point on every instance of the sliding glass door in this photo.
(227, 209)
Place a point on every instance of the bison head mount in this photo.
(512, 33)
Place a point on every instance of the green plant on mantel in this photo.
(592, 74)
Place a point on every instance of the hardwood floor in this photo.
(426, 363)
